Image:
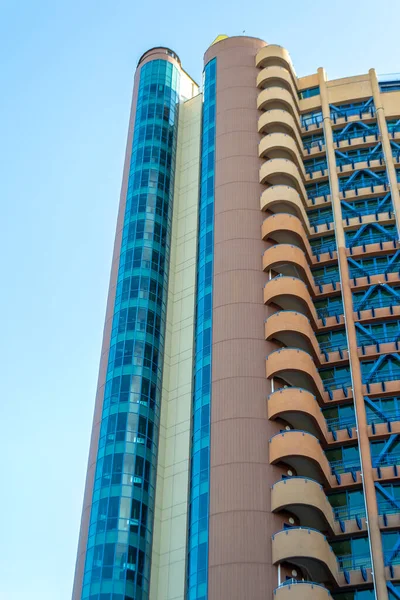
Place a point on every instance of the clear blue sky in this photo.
(67, 69)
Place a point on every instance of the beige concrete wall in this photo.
(171, 513)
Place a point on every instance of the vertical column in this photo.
(117, 548)
(168, 569)
(200, 443)
(355, 368)
(241, 523)
(387, 149)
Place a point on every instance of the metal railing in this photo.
(326, 278)
(379, 302)
(333, 311)
(356, 134)
(388, 460)
(347, 513)
(369, 210)
(343, 466)
(291, 582)
(340, 423)
(352, 562)
(358, 272)
(322, 247)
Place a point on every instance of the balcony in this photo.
(289, 261)
(284, 228)
(276, 120)
(303, 453)
(306, 499)
(300, 409)
(278, 98)
(275, 76)
(301, 590)
(309, 550)
(292, 329)
(280, 171)
(281, 145)
(284, 199)
(272, 54)
(297, 369)
(290, 293)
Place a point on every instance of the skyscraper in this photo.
(245, 441)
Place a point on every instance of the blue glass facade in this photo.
(119, 544)
(200, 449)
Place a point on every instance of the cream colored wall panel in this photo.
(170, 523)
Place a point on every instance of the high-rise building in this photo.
(246, 435)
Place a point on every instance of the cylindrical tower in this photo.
(240, 517)
(114, 553)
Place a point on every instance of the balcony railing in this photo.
(358, 272)
(381, 377)
(355, 133)
(336, 383)
(390, 416)
(365, 340)
(347, 513)
(379, 302)
(362, 181)
(341, 423)
(291, 582)
(386, 461)
(332, 311)
(352, 562)
(323, 247)
(344, 466)
(326, 278)
(320, 218)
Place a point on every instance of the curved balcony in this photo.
(309, 550)
(281, 171)
(303, 453)
(285, 228)
(290, 293)
(292, 329)
(277, 98)
(272, 54)
(281, 145)
(289, 260)
(280, 121)
(284, 199)
(276, 76)
(300, 409)
(306, 499)
(297, 368)
(302, 590)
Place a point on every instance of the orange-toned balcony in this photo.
(306, 500)
(276, 76)
(300, 409)
(301, 590)
(309, 550)
(280, 121)
(284, 199)
(278, 98)
(272, 54)
(297, 369)
(303, 453)
(281, 145)
(280, 171)
(290, 261)
(285, 228)
(293, 329)
(291, 293)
